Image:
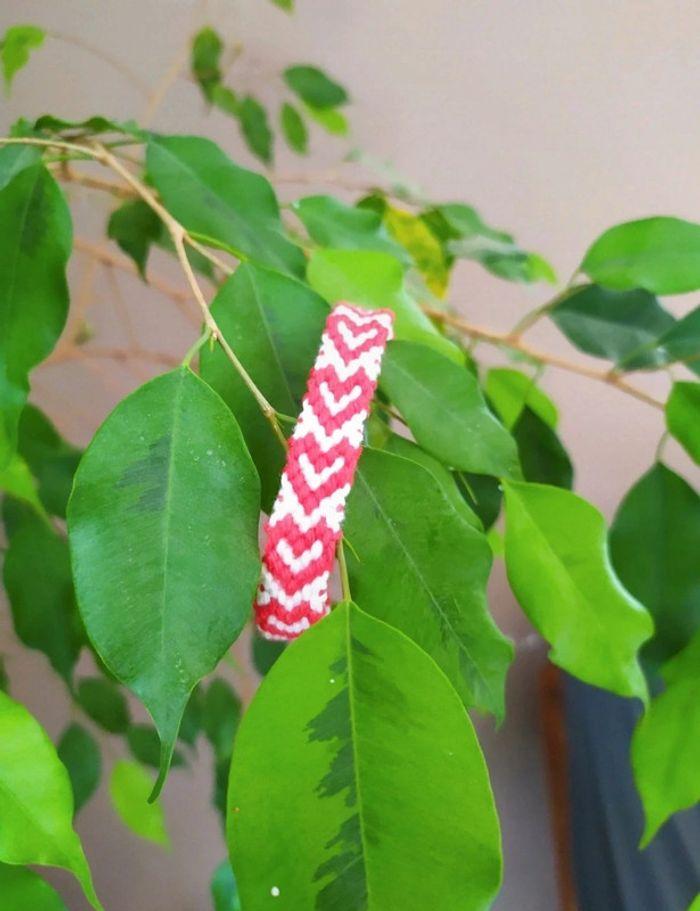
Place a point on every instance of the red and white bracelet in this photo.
(307, 517)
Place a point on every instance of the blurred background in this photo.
(555, 120)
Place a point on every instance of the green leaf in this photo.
(666, 743)
(17, 481)
(167, 493)
(314, 87)
(274, 325)
(52, 460)
(265, 653)
(372, 279)
(225, 99)
(654, 545)
(446, 411)
(559, 570)
(129, 789)
(39, 585)
(695, 906)
(332, 223)
(205, 60)
(483, 495)
(192, 719)
(144, 744)
(135, 226)
(36, 803)
(221, 713)
(416, 237)
(252, 117)
(416, 563)
(612, 324)
(683, 417)
(680, 342)
(338, 801)
(47, 123)
(542, 457)
(224, 891)
(33, 292)
(509, 391)
(23, 890)
(287, 6)
(222, 203)
(80, 754)
(331, 120)
(660, 254)
(15, 47)
(294, 128)
(15, 158)
(104, 702)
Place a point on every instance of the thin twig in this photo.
(67, 174)
(506, 340)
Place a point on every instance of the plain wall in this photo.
(556, 119)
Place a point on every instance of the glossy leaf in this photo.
(15, 47)
(446, 411)
(660, 254)
(39, 585)
(33, 292)
(542, 457)
(223, 204)
(654, 544)
(510, 391)
(332, 223)
(314, 87)
(52, 460)
(224, 891)
(252, 117)
(104, 702)
(372, 279)
(80, 754)
(24, 890)
(416, 563)
(205, 59)
(683, 417)
(36, 803)
(221, 713)
(612, 324)
(274, 325)
(168, 495)
(144, 745)
(294, 128)
(559, 569)
(135, 227)
(337, 802)
(680, 342)
(666, 744)
(129, 789)
(15, 158)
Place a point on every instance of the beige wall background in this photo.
(556, 119)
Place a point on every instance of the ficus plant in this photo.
(354, 780)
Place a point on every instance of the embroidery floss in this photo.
(307, 517)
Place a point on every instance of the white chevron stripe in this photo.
(334, 405)
(315, 593)
(316, 479)
(305, 559)
(292, 628)
(383, 319)
(355, 341)
(351, 431)
(369, 361)
(330, 509)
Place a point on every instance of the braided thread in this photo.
(307, 517)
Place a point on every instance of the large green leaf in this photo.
(23, 890)
(660, 254)
(357, 781)
(39, 585)
(163, 521)
(15, 158)
(510, 391)
(52, 460)
(129, 788)
(222, 203)
(654, 545)
(373, 279)
(680, 342)
(446, 411)
(36, 803)
(417, 563)
(666, 744)
(332, 223)
(33, 293)
(542, 456)
(683, 417)
(15, 48)
(274, 325)
(80, 754)
(612, 324)
(559, 569)
(314, 87)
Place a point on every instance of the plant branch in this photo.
(507, 340)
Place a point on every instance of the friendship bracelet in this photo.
(306, 520)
